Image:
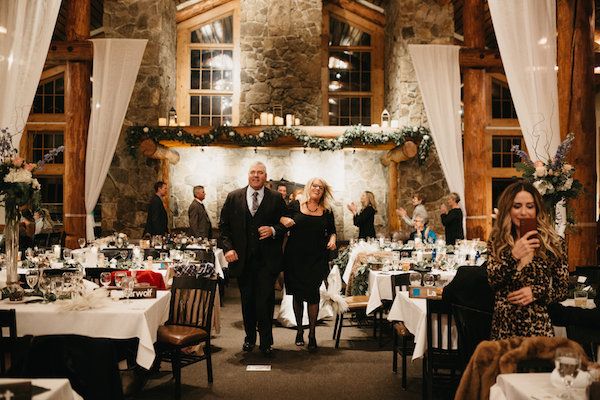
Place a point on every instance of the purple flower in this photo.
(50, 156)
(522, 155)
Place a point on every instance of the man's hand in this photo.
(265, 232)
(231, 256)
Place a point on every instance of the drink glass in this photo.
(428, 279)
(119, 277)
(81, 242)
(66, 254)
(44, 285)
(128, 284)
(32, 278)
(415, 278)
(105, 279)
(567, 364)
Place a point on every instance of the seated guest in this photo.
(43, 223)
(422, 232)
(365, 218)
(452, 219)
(527, 272)
(282, 189)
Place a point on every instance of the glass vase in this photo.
(11, 240)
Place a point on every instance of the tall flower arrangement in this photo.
(554, 178)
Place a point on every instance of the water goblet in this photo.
(44, 283)
(128, 284)
(428, 280)
(119, 276)
(32, 277)
(105, 279)
(82, 242)
(66, 254)
(123, 254)
(415, 278)
(567, 364)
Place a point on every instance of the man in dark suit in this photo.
(200, 225)
(251, 237)
(157, 222)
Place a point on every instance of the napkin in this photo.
(96, 299)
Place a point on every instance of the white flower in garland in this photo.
(540, 171)
(543, 187)
(18, 175)
(35, 184)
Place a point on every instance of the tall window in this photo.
(354, 87)
(44, 141)
(50, 97)
(502, 157)
(206, 69)
(502, 104)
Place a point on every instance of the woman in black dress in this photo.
(365, 218)
(312, 236)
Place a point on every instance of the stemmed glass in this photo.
(428, 279)
(44, 285)
(32, 278)
(119, 276)
(128, 283)
(81, 242)
(567, 364)
(105, 279)
(415, 278)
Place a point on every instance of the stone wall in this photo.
(414, 22)
(128, 187)
(222, 170)
(281, 58)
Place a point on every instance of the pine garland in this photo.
(137, 134)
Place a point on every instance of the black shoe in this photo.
(267, 351)
(312, 344)
(300, 338)
(247, 347)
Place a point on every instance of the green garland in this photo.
(136, 134)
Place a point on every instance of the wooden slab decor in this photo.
(425, 292)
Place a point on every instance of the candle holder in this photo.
(172, 117)
(385, 119)
(277, 110)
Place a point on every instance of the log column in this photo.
(77, 114)
(576, 112)
(477, 196)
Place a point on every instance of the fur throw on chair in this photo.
(492, 358)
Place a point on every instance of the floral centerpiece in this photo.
(553, 178)
(18, 188)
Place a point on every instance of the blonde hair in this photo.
(296, 194)
(326, 198)
(504, 232)
(371, 199)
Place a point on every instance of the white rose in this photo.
(540, 172)
(425, 137)
(18, 175)
(262, 134)
(567, 185)
(543, 187)
(567, 168)
(35, 184)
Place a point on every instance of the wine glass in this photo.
(105, 279)
(119, 276)
(123, 254)
(128, 283)
(81, 242)
(415, 279)
(428, 280)
(567, 364)
(32, 277)
(44, 284)
(66, 254)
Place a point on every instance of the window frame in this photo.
(184, 46)
(376, 48)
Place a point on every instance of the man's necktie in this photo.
(254, 203)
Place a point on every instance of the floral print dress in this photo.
(549, 281)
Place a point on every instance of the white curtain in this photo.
(526, 34)
(116, 65)
(438, 75)
(26, 28)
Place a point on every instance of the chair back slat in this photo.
(439, 313)
(192, 301)
(400, 282)
(473, 326)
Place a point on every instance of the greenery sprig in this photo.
(365, 136)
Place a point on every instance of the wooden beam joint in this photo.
(479, 58)
(70, 51)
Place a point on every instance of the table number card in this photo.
(144, 293)
(425, 292)
(16, 391)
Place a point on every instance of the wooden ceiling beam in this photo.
(81, 50)
(197, 9)
(361, 10)
(480, 58)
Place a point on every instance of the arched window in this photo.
(353, 91)
(208, 67)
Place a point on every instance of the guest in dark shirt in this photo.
(364, 219)
(452, 219)
(157, 222)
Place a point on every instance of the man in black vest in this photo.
(157, 222)
(251, 237)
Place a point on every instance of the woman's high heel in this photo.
(312, 344)
(300, 338)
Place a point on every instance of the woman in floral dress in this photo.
(526, 273)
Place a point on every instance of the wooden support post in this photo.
(477, 195)
(575, 25)
(77, 115)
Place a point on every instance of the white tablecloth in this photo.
(362, 247)
(413, 312)
(60, 389)
(117, 320)
(285, 315)
(534, 386)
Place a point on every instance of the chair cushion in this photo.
(178, 335)
(357, 302)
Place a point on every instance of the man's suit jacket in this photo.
(200, 225)
(157, 222)
(233, 235)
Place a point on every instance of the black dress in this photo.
(453, 225)
(364, 220)
(306, 254)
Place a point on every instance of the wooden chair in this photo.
(41, 240)
(8, 319)
(400, 282)
(473, 327)
(440, 364)
(189, 324)
(55, 238)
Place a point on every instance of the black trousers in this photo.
(258, 300)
